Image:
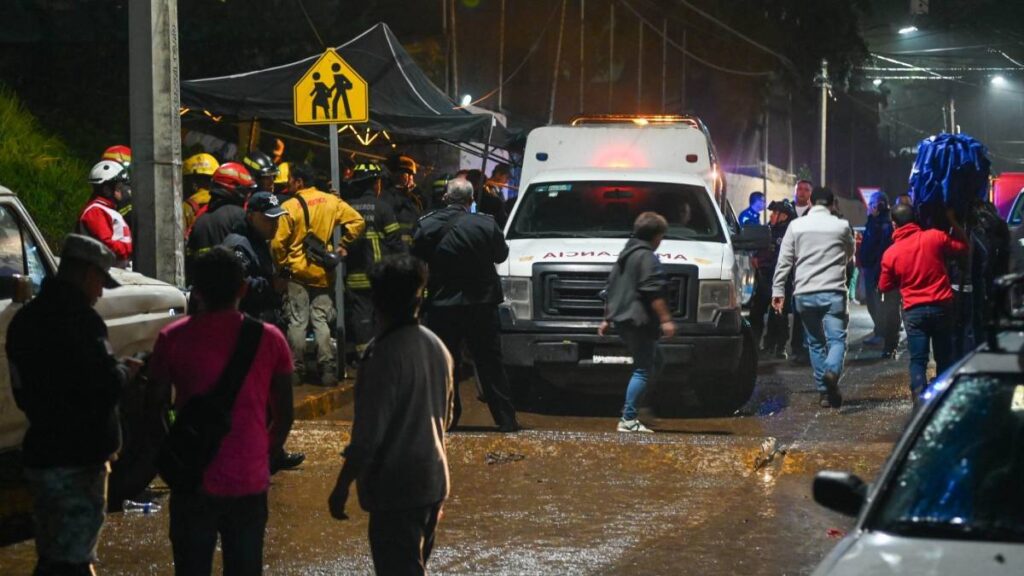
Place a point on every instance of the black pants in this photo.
(760, 304)
(477, 327)
(197, 519)
(890, 309)
(401, 540)
(796, 342)
(361, 317)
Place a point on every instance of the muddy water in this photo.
(571, 496)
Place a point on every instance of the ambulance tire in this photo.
(724, 394)
(144, 413)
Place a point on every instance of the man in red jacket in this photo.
(916, 264)
(100, 218)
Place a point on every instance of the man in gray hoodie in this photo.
(819, 246)
(638, 309)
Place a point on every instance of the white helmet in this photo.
(108, 171)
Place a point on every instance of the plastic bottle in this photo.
(130, 506)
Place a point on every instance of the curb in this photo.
(320, 404)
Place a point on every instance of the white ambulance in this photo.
(582, 186)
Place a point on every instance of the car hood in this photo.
(139, 294)
(524, 253)
(880, 553)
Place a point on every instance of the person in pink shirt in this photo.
(191, 354)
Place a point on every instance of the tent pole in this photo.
(455, 55)
(583, 14)
(447, 48)
(501, 57)
(487, 150)
(339, 271)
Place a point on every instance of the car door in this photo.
(21, 254)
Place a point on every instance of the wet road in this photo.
(572, 496)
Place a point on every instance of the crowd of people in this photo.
(263, 247)
(914, 274)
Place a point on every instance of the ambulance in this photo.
(582, 186)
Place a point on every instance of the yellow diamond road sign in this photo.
(331, 92)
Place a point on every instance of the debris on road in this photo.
(503, 457)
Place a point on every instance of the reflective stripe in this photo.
(376, 249)
(392, 228)
(357, 280)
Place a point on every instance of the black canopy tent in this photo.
(403, 101)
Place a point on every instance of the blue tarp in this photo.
(950, 171)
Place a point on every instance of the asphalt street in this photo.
(572, 496)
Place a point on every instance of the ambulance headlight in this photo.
(715, 295)
(518, 296)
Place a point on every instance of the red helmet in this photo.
(233, 177)
(119, 153)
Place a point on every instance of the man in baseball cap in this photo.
(71, 405)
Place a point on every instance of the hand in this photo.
(668, 329)
(336, 502)
(951, 216)
(134, 365)
(602, 330)
(777, 303)
(342, 251)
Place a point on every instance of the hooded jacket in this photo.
(916, 264)
(636, 280)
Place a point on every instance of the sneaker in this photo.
(823, 400)
(634, 426)
(780, 354)
(831, 382)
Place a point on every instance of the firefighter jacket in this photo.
(382, 237)
(325, 212)
(101, 220)
(193, 207)
(408, 206)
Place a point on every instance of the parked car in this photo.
(134, 313)
(949, 499)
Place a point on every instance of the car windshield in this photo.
(964, 475)
(608, 209)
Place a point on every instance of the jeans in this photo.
(196, 519)
(825, 317)
(648, 360)
(305, 306)
(401, 540)
(928, 324)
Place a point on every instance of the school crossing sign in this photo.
(331, 92)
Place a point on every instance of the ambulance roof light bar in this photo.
(637, 119)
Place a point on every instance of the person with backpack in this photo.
(305, 256)
(244, 365)
(637, 308)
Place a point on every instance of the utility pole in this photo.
(823, 81)
(455, 55)
(611, 54)
(583, 14)
(156, 138)
(501, 57)
(447, 49)
(764, 156)
(664, 61)
(558, 61)
(952, 115)
(640, 66)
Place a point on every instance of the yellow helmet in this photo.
(283, 170)
(201, 164)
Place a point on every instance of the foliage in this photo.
(39, 168)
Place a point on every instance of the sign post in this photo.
(331, 92)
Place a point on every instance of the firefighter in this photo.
(262, 169)
(281, 181)
(123, 155)
(381, 238)
(407, 201)
(197, 170)
(100, 218)
(225, 215)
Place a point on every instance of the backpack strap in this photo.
(305, 209)
(231, 380)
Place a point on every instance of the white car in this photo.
(950, 499)
(134, 314)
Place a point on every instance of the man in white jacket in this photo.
(819, 246)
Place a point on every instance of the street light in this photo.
(877, 82)
(998, 80)
(466, 100)
(908, 30)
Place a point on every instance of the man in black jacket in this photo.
(637, 307)
(464, 292)
(70, 403)
(232, 185)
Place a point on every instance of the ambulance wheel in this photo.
(724, 394)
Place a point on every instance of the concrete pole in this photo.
(682, 83)
(640, 66)
(558, 62)
(583, 19)
(952, 115)
(156, 139)
(447, 50)
(664, 61)
(764, 166)
(824, 121)
(501, 57)
(611, 54)
(339, 271)
(455, 56)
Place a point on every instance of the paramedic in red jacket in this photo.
(100, 218)
(916, 264)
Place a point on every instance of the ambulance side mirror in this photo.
(752, 239)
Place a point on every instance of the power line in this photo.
(311, 25)
(789, 64)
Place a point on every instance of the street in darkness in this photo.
(572, 496)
